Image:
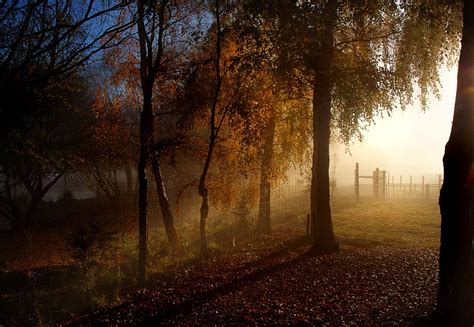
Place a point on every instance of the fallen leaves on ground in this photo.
(276, 281)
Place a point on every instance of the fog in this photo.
(166, 162)
(409, 142)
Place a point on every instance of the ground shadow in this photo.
(258, 271)
(250, 273)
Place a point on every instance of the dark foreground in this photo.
(279, 282)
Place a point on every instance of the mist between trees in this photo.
(118, 116)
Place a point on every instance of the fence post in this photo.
(383, 184)
(401, 186)
(356, 182)
(393, 186)
(422, 187)
(373, 183)
(410, 187)
(376, 181)
(387, 190)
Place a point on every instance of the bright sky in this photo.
(408, 142)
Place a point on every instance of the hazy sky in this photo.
(408, 142)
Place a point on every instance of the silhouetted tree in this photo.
(43, 44)
(158, 24)
(48, 140)
(151, 20)
(456, 273)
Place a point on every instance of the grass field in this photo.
(55, 287)
(395, 222)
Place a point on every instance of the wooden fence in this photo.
(384, 185)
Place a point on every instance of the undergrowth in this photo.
(98, 266)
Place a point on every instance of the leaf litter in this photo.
(275, 280)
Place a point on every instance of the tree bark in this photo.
(203, 192)
(455, 291)
(168, 220)
(214, 130)
(264, 221)
(150, 63)
(146, 119)
(204, 211)
(322, 228)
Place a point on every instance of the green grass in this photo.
(391, 222)
(394, 222)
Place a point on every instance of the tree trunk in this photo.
(150, 63)
(455, 291)
(203, 192)
(202, 188)
(33, 205)
(204, 212)
(146, 128)
(322, 228)
(264, 221)
(166, 213)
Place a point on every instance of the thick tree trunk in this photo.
(146, 124)
(455, 293)
(264, 222)
(322, 228)
(168, 220)
(142, 223)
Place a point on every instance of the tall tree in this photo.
(276, 136)
(218, 109)
(48, 141)
(277, 112)
(263, 221)
(158, 24)
(213, 127)
(45, 40)
(456, 275)
(150, 16)
(357, 61)
(43, 44)
(323, 83)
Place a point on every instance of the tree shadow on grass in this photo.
(258, 270)
(289, 246)
(250, 272)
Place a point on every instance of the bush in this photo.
(86, 244)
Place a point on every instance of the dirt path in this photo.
(278, 282)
